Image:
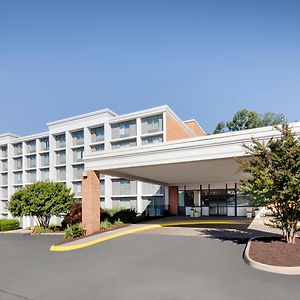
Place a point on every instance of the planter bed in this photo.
(65, 241)
(275, 252)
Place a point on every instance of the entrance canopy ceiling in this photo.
(208, 159)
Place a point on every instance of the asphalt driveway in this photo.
(137, 266)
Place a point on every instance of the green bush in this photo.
(74, 231)
(55, 227)
(105, 224)
(9, 224)
(39, 230)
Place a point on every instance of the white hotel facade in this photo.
(148, 160)
(58, 155)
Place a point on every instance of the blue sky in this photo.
(205, 59)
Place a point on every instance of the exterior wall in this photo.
(43, 170)
(192, 124)
(176, 130)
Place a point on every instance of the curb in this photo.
(267, 268)
(58, 248)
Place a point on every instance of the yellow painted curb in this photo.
(105, 238)
(62, 248)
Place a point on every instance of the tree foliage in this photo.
(274, 179)
(41, 200)
(245, 119)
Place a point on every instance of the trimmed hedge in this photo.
(9, 224)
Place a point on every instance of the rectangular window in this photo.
(4, 166)
(97, 134)
(102, 187)
(124, 144)
(45, 175)
(78, 171)
(124, 203)
(18, 177)
(97, 148)
(4, 179)
(123, 130)
(78, 154)
(78, 138)
(61, 173)
(4, 151)
(77, 187)
(31, 161)
(60, 141)
(31, 176)
(45, 160)
(152, 140)
(4, 192)
(31, 146)
(123, 187)
(61, 157)
(45, 144)
(152, 124)
(18, 149)
(18, 163)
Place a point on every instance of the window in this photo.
(123, 187)
(60, 141)
(124, 129)
(31, 147)
(154, 206)
(4, 166)
(18, 149)
(45, 175)
(31, 176)
(4, 192)
(124, 203)
(124, 144)
(97, 134)
(152, 189)
(78, 171)
(4, 151)
(61, 157)
(61, 173)
(45, 144)
(45, 160)
(31, 160)
(102, 187)
(18, 163)
(152, 140)
(78, 154)
(77, 187)
(97, 148)
(78, 138)
(4, 205)
(152, 124)
(18, 177)
(4, 179)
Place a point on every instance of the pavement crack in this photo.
(15, 295)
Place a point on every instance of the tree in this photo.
(41, 200)
(274, 179)
(245, 119)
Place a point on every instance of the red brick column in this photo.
(173, 200)
(91, 202)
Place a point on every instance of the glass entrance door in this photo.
(217, 207)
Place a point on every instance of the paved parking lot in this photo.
(137, 266)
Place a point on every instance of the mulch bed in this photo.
(275, 252)
(65, 241)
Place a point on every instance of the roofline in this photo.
(82, 116)
(30, 137)
(9, 134)
(150, 111)
(194, 120)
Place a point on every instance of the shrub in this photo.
(126, 216)
(74, 231)
(39, 230)
(9, 224)
(118, 223)
(55, 227)
(105, 224)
